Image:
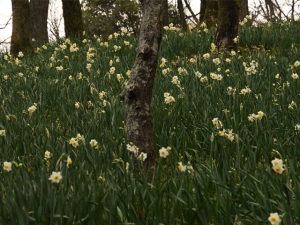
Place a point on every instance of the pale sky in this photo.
(5, 13)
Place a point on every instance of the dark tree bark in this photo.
(202, 10)
(182, 15)
(244, 9)
(292, 9)
(20, 38)
(270, 9)
(72, 18)
(211, 13)
(165, 13)
(39, 16)
(228, 25)
(137, 94)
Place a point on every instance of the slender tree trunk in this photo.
(269, 11)
(137, 94)
(20, 39)
(39, 16)
(202, 10)
(270, 8)
(165, 13)
(72, 18)
(228, 25)
(182, 15)
(292, 10)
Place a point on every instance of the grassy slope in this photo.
(232, 180)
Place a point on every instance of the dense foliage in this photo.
(104, 17)
(228, 121)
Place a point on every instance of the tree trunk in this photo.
(292, 10)
(39, 16)
(211, 13)
(227, 25)
(72, 18)
(244, 9)
(137, 94)
(202, 10)
(183, 23)
(20, 38)
(165, 13)
(270, 9)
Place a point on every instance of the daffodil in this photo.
(2, 133)
(69, 161)
(274, 219)
(142, 156)
(277, 162)
(295, 76)
(278, 169)
(7, 166)
(181, 167)
(163, 152)
(73, 142)
(132, 148)
(55, 177)
(93, 143)
(47, 154)
(278, 165)
(32, 109)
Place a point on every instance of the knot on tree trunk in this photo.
(146, 52)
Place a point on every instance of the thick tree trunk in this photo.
(137, 94)
(228, 25)
(211, 13)
(20, 38)
(244, 9)
(183, 23)
(39, 16)
(72, 18)
(165, 13)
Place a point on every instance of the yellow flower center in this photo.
(180, 167)
(273, 219)
(56, 177)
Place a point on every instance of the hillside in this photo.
(230, 123)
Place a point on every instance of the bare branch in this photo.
(6, 23)
(191, 11)
(277, 6)
(54, 21)
(5, 41)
